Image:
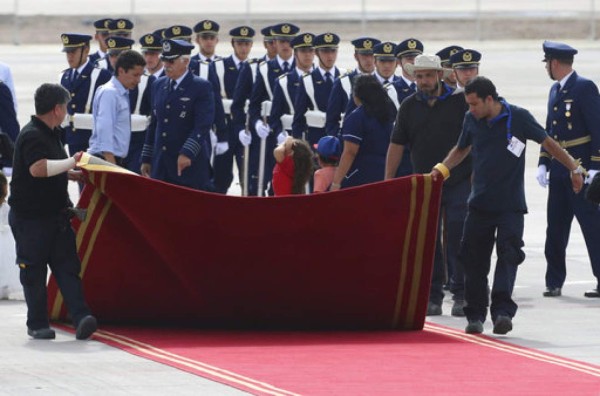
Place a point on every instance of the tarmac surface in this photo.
(566, 326)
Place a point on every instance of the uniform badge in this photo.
(387, 48)
(286, 29)
(453, 51)
(65, 39)
(166, 46)
(569, 126)
(328, 38)
(182, 114)
(307, 39)
(244, 31)
(111, 43)
(367, 44)
(412, 44)
(149, 39)
(207, 25)
(176, 30)
(467, 57)
(568, 107)
(185, 99)
(121, 24)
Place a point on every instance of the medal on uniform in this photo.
(569, 125)
(568, 112)
(182, 115)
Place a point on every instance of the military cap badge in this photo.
(307, 39)
(286, 29)
(207, 25)
(111, 43)
(387, 48)
(367, 44)
(328, 38)
(166, 46)
(121, 24)
(244, 31)
(65, 39)
(454, 51)
(149, 39)
(412, 44)
(467, 57)
(106, 23)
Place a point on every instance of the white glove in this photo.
(245, 138)
(221, 148)
(542, 176)
(7, 171)
(281, 137)
(590, 176)
(213, 138)
(262, 129)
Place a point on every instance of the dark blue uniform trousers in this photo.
(41, 242)
(481, 230)
(223, 164)
(563, 204)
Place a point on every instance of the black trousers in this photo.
(482, 230)
(43, 242)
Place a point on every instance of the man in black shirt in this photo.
(39, 216)
(430, 122)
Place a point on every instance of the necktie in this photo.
(172, 85)
(386, 82)
(208, 60)
(328, 77)
(413, 86)
(286, 67)
(74, 75)
(555, 91)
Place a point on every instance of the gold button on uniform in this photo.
(554, 122)
(164, 148)
(555, 108)
(164, 134)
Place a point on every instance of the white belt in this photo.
(227, 105)
(286, 121)
(139, 123)
(82, 121)
(315, 118)
(265, 109)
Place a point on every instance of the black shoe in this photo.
(86, 327)
(502, 325)
(42, 334)
(594, 293)
(552, 292)
(474, 327)
(433, 309)
(458, 308)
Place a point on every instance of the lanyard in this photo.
(500, 116)
(446, 91)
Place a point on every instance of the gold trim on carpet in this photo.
(213, 371)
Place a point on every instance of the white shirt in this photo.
(564, 79)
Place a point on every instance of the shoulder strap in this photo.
(93, 79)
(203, 70)
(283, 82)
(345, 81)
(141, 88)
(310, 89)
(253, 68)
(393, 94)
(220, 69)
(264, 71)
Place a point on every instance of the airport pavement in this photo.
(566, 326)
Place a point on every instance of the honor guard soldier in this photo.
(261, 141)
(177, 148)
(207, 37)
(177, 32)
(466, 66)
(573, 120)
(151, 50)
(223, 74)
(101, 26)
(269, 43)
(342, 87)
(120, 27)
(406, 52)
(81, 79)
(115, 45)
(282, 110)
(445, 54)
(314, 90)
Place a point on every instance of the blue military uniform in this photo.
(101, 26)
(574, 121)
(260, 98)
(8, 121)
(79, 85)
(313, 95)
(342, 88)
(199, 63)
(223, 75)
(182, 116)
(121, 28)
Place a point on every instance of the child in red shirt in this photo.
(293, 167)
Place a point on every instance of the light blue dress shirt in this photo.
(112, 120)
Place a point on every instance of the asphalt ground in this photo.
(565, 326)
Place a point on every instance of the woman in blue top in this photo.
(366, 134)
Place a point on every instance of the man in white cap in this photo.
(430, 123)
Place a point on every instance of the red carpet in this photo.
(434, 361)
(354, 259)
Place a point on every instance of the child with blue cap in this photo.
(328, 156)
